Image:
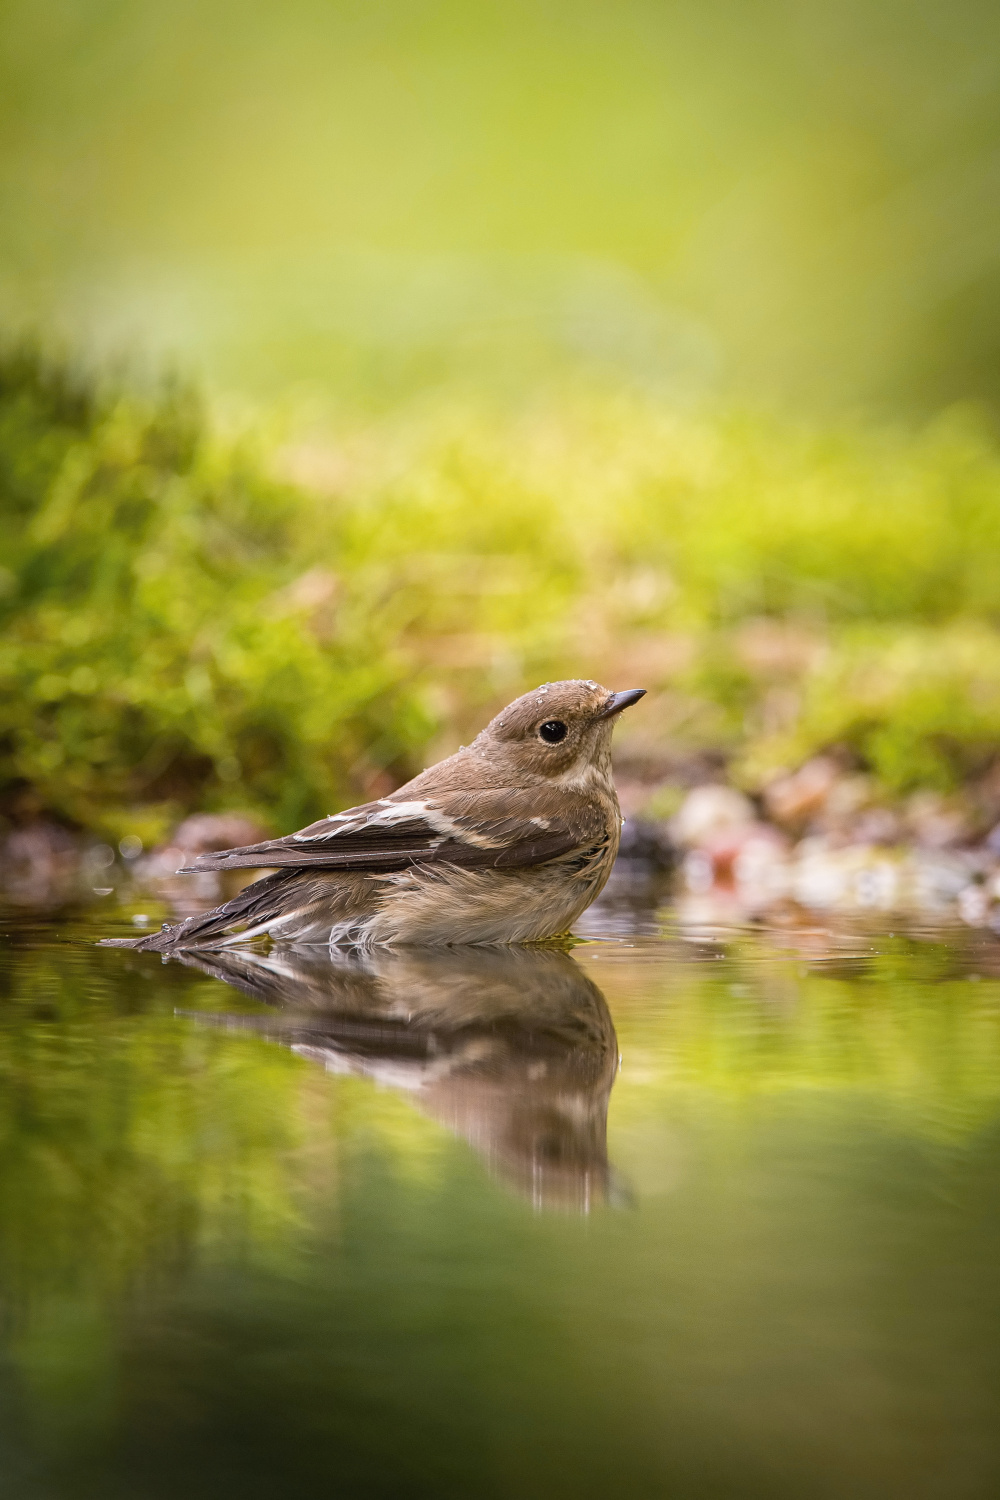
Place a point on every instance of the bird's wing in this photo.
(501, 829)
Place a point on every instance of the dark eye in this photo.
(552, 731)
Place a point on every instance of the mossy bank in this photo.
(286, 619)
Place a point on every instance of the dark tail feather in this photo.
(253, 906)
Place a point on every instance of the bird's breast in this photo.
(453, 905)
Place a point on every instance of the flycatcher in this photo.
(507, 841)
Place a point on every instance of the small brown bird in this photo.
(507, 841)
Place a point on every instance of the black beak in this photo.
(620, 701)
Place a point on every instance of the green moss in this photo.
(283, 626)
(919, 705)
(150, 659)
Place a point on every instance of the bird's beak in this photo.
(620, 701)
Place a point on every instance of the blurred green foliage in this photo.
(289, 622)
(149, 657)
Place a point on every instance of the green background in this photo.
(794, 200)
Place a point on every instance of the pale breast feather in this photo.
(500, 829)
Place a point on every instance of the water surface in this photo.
(671, 1214)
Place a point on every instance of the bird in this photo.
(507, 841)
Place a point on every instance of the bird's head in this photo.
(560, 731)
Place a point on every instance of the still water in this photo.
(672, 1214)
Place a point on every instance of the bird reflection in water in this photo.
(512, 1049)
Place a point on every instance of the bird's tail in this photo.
(239, 920)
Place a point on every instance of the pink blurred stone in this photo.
(203, 833)
(708, 811)
(798, 798)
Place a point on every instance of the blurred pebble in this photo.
(709, 810)
(796, 799)
(40, 865)
(201, 834)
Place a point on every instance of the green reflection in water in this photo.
(911, 1032)
(364, 1266)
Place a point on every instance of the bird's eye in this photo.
(552, 731)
